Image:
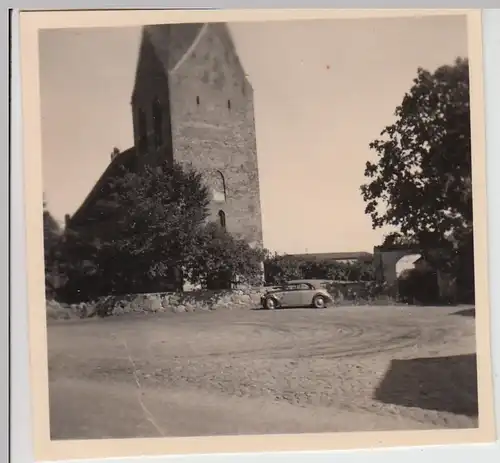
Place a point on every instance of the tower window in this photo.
(222, 219)
(142, 131)
(158, 123)
(198, 100)
(219, 187)
(229, 104)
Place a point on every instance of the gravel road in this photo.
(255, 372)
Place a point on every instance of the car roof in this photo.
(309, 281)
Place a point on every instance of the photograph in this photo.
(259, 227)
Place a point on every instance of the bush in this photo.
(220, 260)
(148, 233)
(279, 269)
(418, 286)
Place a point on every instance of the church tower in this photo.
(192, 103)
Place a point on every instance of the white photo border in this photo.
(20, 418)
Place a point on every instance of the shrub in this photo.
(279, 269)
(418, 286)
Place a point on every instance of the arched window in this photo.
(198, 100)
(229, 104)
(142, 131)
(222, 219)
(218, 187)
(158, 123)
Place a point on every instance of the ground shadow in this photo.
(466, 312)
(282, 308)
(446, 384)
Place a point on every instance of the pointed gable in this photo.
(172, 41)
(223, 32)
(168, 43)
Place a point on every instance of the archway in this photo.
(394, 266)
(417, 280)
(386, 261)
(405, 263)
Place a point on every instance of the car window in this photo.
(303, 286)
(298, 286)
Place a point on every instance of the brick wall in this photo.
(213, 128)
(151, 85)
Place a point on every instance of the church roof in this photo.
(124, 160)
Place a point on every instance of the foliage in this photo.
(221, 258)
(148, 232)
(139, 231)
(51, 238)
(418, 286)
(421, 183)
(395, 240)
(424, 159)
(156, 214)
(279, 269)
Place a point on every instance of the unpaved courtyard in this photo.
(254, 371)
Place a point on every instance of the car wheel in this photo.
(269, 303)
(319, 302)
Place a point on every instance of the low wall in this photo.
(193, 301)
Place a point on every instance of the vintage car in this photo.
(298, 293)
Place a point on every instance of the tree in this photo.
(51, 239)
(423, 172)
(395, 240)
(220, 258)
(51, 232)
(149, 232)
(158, 214)
(139, 232)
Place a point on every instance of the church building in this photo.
(192, 103)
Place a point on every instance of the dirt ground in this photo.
(256, 372)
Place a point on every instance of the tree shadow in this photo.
(447, 384)
(466, 312)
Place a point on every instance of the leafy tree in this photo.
(79, 263)
(423, 172)
(418, 286)
(51, 232)
(148, 229)
(395, 240)
(220, 258)
(51, 238)
(141, 230)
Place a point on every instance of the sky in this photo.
(323, 90)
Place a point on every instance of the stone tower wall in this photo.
(213, 128)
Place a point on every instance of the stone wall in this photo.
(195, 301)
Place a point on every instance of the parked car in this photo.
(298, 293)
